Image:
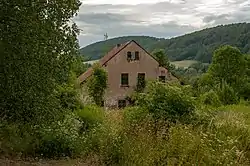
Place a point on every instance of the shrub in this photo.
(134, 115)
(97, 84)
(224, 141)
(67, 95)
(16, 139)
(210, 98)
(59, 139)
(165, 101)
(244, 91)
(227, 94)
(90, 117)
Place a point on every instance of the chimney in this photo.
(118, 45)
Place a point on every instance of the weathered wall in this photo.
(119, 64)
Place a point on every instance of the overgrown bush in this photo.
(61, 139)
(135, 115)
(58, 139)
(68, 97)
(224, 141)
(90, 117)
(227, 94)
(210, 98)
(97, 84)
(167, 102)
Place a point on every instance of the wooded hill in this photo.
(194, 46)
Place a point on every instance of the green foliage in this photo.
(165, 101)
(227, 94)
(97, 84)
(141, 84)
(78, 67)
(37, 45)
(224, 141)
(68, 96)
(228, 65)
(198, 45)
(135, 115)
(59, 139)
(210, 98)
(90, 117)
(206, 81)
(244, 89)
(162, 59)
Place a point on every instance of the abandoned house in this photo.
(126, 64)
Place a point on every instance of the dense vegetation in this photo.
(195, 46)
(205, 121)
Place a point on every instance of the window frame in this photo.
(141, 84)
(161, 79)
(144, 75)
(129, 55)
(122, 80)
(137, 55)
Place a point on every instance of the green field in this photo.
(184, 63)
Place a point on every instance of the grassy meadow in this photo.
(218, 136)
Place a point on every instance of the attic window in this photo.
(137, 57)
(129, 55)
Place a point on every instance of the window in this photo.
(162, 78)
(137, 57)
(121, 104)
(129, 55)
(141, 83)
(141, 77)
(124, 79)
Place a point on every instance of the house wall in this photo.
(119, 64)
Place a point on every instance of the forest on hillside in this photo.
(194, 46)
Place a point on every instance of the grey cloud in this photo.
(123, 20)
(100, 18)
(217, 18)
(240, 15)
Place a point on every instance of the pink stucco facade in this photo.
(118, 64)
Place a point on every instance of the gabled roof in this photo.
(104, 60)
(108, 57)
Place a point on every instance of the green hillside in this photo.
(194, 46)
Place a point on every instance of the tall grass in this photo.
(132, 136)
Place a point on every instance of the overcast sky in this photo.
(159, 18)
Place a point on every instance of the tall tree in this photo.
(228, 65)
(97, 84)
(37, 43)
(162, 59)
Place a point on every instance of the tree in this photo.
(166, 101)
(37, 44)
(97, 84)
(162, 59)
(228, 65)
(78, 66)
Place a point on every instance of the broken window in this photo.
(129, 55)
(162, 78)
(141, 83)
(137, 57)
